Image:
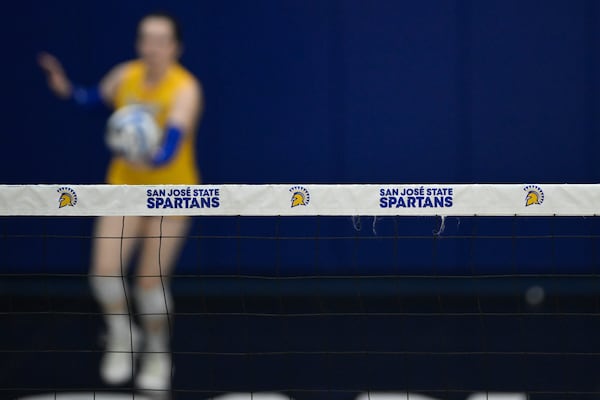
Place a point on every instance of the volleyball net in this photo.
(437, 291)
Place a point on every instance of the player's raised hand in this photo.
(57, 78)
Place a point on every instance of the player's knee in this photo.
(149, 282)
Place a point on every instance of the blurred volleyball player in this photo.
(157, 80)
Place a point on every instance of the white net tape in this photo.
(304, 199)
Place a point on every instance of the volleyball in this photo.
(133, 133)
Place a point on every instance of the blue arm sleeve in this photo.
(87, 97)
(173, 136)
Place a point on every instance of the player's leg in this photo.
(113, 245)
(159, 253)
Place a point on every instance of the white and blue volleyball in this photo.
(132, 132)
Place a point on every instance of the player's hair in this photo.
(169, 17)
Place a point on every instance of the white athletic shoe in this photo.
(155, 373)
(118, 362)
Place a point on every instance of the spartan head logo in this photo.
(300, 196)
(67, 197)
(535, 195)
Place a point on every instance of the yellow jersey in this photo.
(181, 169)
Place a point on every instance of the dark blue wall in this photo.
(331, 92)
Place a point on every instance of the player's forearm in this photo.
(170, 145)
(86, 96)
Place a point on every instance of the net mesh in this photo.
(322, 306)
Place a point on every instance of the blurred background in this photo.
(335, 91)
(329, 91)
